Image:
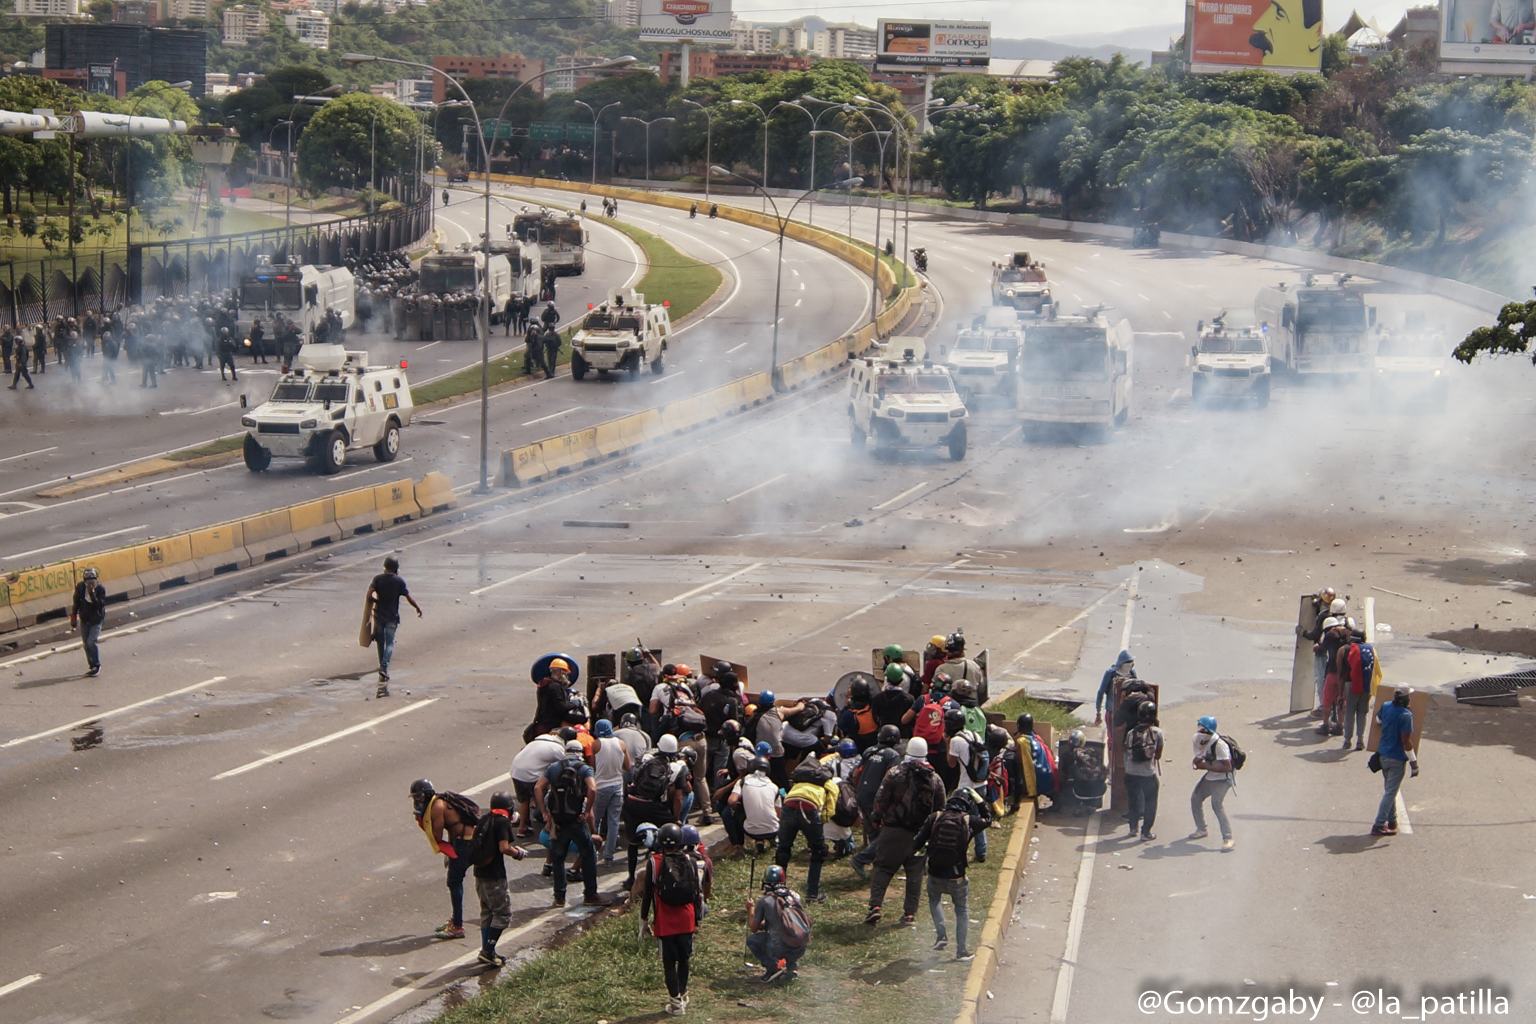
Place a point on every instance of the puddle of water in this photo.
(1438, 667)
(92, 737)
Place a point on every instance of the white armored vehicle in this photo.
(1075, 370)
(302, 294)
(901, 399)
(1412, 364)
(464, 273)
(623, 333)
(1019, 281)
(1320, 327)
(1231, 359)
(329, 403)
(981, 360)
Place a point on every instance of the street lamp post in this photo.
(874, 273)
(760, 110)
(709, 142)
(778, 282)
(354, 59)
(596, 115)
(648, 124)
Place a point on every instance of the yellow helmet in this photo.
(936, 641)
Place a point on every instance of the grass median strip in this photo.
(671, 276)
(217, 447)
(1015, 704)
(853, 974)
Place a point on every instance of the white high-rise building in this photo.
(182, 10)
(48, 8)
(624, 13)
(312, 28)
(243, 23)
(750, 38)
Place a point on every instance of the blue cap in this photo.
(765, 699)
(1208, 723)
(763, 749)
(603, 730)
(847, 748)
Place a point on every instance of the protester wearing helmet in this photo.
(1335, 634)
(674, 884)
(933, 657)
(959, 667)
(493, 837)
(1322, 605)
(88, 612)
(857, 719)
(555, 694)
(893, 704)
(845, 763)
(894, 656)
(654, 795)
(757, 800)
(771, 935)
(1213, 758)
(767, 726)
(887, 753)
(642, 672)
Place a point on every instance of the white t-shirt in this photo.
(529, 763)
(621, 695)
(637, 742)
(1210, 747)
(960, 748)
(759, 804)
(609, 773)
(826, 725)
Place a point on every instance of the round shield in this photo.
(541, 667)
(840, 690)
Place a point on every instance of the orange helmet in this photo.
(559, 663)
(684, 670)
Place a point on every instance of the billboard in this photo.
(699, 21)
(1487, 36)
(1284, 36)
(909, 45)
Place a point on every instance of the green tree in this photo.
(1510, 335)
(1336, 56)
(1441, 170)
(336, 145)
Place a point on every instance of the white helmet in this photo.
(1350, 622)
(1330, 622)
(1338, 606)
(667, 744)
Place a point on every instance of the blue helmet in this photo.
(763, 749)
(1207, 723)
(765, 699)
(773, 877)
(690, 835)
(847, 748)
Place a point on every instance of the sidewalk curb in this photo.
(995, 930)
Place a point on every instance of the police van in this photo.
(900, 398)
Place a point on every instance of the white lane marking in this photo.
(736, 349)
(82, 540)
(797, 303)
(6, 990)
(44, 485)
(13, 458)
(487, 784)
(903, 494)
(216, 408)
(1130, 611)
(755, 487)
(1142, 297)
(1162, 527)
(322, 741)
(670, 376)
(110, 714)
(711, 585)
(735, 275)
(1403, 824)
(423, 348)
(341, 478)
(430, 981)
(1075, 922)
(553, 416)
(1053, 634)
(525, 575)
(1167, 315)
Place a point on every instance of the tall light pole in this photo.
(709, 142)
(850, 142)
(596, 115)
(828, 107)
(354, 59)
(778, 283)
(647, 124)
(764, 113)
(874, 273)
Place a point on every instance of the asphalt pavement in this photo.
(251, 737)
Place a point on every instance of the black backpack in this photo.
(1142, 743)
(1088, 769)
(917, 803)
(652, 778)
(978, 760)
(807, 716)
(686, 715)
(948, 839)
(677, 879)
(876, 763)
(566, 797)
(812, 771)
(1239, 755)
(846, 810)
(467, 810)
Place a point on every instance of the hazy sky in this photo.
(1036, 18)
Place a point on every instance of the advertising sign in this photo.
(103, 79)
(1284, 36)
(1487, 37)
(699, 21)
(914, 44)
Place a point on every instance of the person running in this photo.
(384, 595)
(1213, 757)
(89, 611)
(675, 883)
(946, 834)
(493, 842)
(567, 793)
(1396, 753)
(808, 805)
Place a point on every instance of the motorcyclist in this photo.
(445, 197)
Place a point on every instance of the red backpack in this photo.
(929, 725)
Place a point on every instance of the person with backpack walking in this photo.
(970, 763)
(653, 796)
(946, 834)
(778, 928)
(567, 793)
(89, 611)
(1213, 756)
(449, 820)
(672, 885)
(872, 771)
(1356, 664)
(909, 793)
(493, 845)
(811, 799)
(1143, 752)
(1397, 752)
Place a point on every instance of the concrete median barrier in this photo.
(314, 522)
(435, 494)
(269, 535)
(218, 549)
(163, 563)
(609, 438)
(396, 502)
(523, 466)
(357, 512)
(570, 451)
(116, 571)
(40, 593)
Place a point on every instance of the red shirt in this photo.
(670, 920)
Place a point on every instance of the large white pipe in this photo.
(94, 124)
(14, 123)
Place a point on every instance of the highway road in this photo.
(770, 541)
(729, 339)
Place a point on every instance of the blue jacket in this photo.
(1107, 685)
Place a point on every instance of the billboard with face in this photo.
(1487, 36)
(915, 44)
(699, 21)
(1280, 35)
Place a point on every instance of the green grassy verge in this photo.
(219, 447)
(1015, 705)
(681, 280)
(853, 974)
